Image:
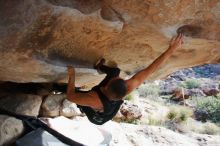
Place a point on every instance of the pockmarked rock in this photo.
(52, 105)
(10, 129)
(130, 111)
(38, 38)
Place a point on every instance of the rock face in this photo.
(10, 129)
(39, 37)
(56, 105)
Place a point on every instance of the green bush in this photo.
(149, 90)
(129, 97)
(211, 105)
(172, 115)
(191, 83)
(200, 127)
(179, 114)
(155, 122)
(218, 96)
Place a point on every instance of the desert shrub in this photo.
(155, 122)
(172, 115)
(179, 114)
(129, 97)
(210, 128)
(132, 96)
(149, 90)
(191, 83)
(218, 96)
(177, 117)
(211, 105)
(200, 127)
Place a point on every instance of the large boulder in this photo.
(57, 105)
(211, 87)
(181, 94)
(130, 111)
(38, 38)
(23, 104)
(10, 129)
(52, 105)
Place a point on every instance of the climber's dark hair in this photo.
(119, 87)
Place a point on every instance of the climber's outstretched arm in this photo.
(142, 75)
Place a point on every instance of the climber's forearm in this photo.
(145, 73)
(142, 75)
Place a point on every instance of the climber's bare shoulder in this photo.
(132, 83)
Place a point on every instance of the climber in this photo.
(103, 101)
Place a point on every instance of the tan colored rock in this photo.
(23, 104)
(10, 129)
(130, 111)
(119, 117)
(181, 94)
(37, 37)
(52, 105)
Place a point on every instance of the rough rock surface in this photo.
(10, 129)
(181, 94)
(52, 105)
(23, 104)
(38, 37)
(130, 111)
(123, 134)
(140, 135)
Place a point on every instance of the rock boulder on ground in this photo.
(181, 94)
(52, 104)
(23, 104)
(211, 88)
(10, 129)
(130, 111)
